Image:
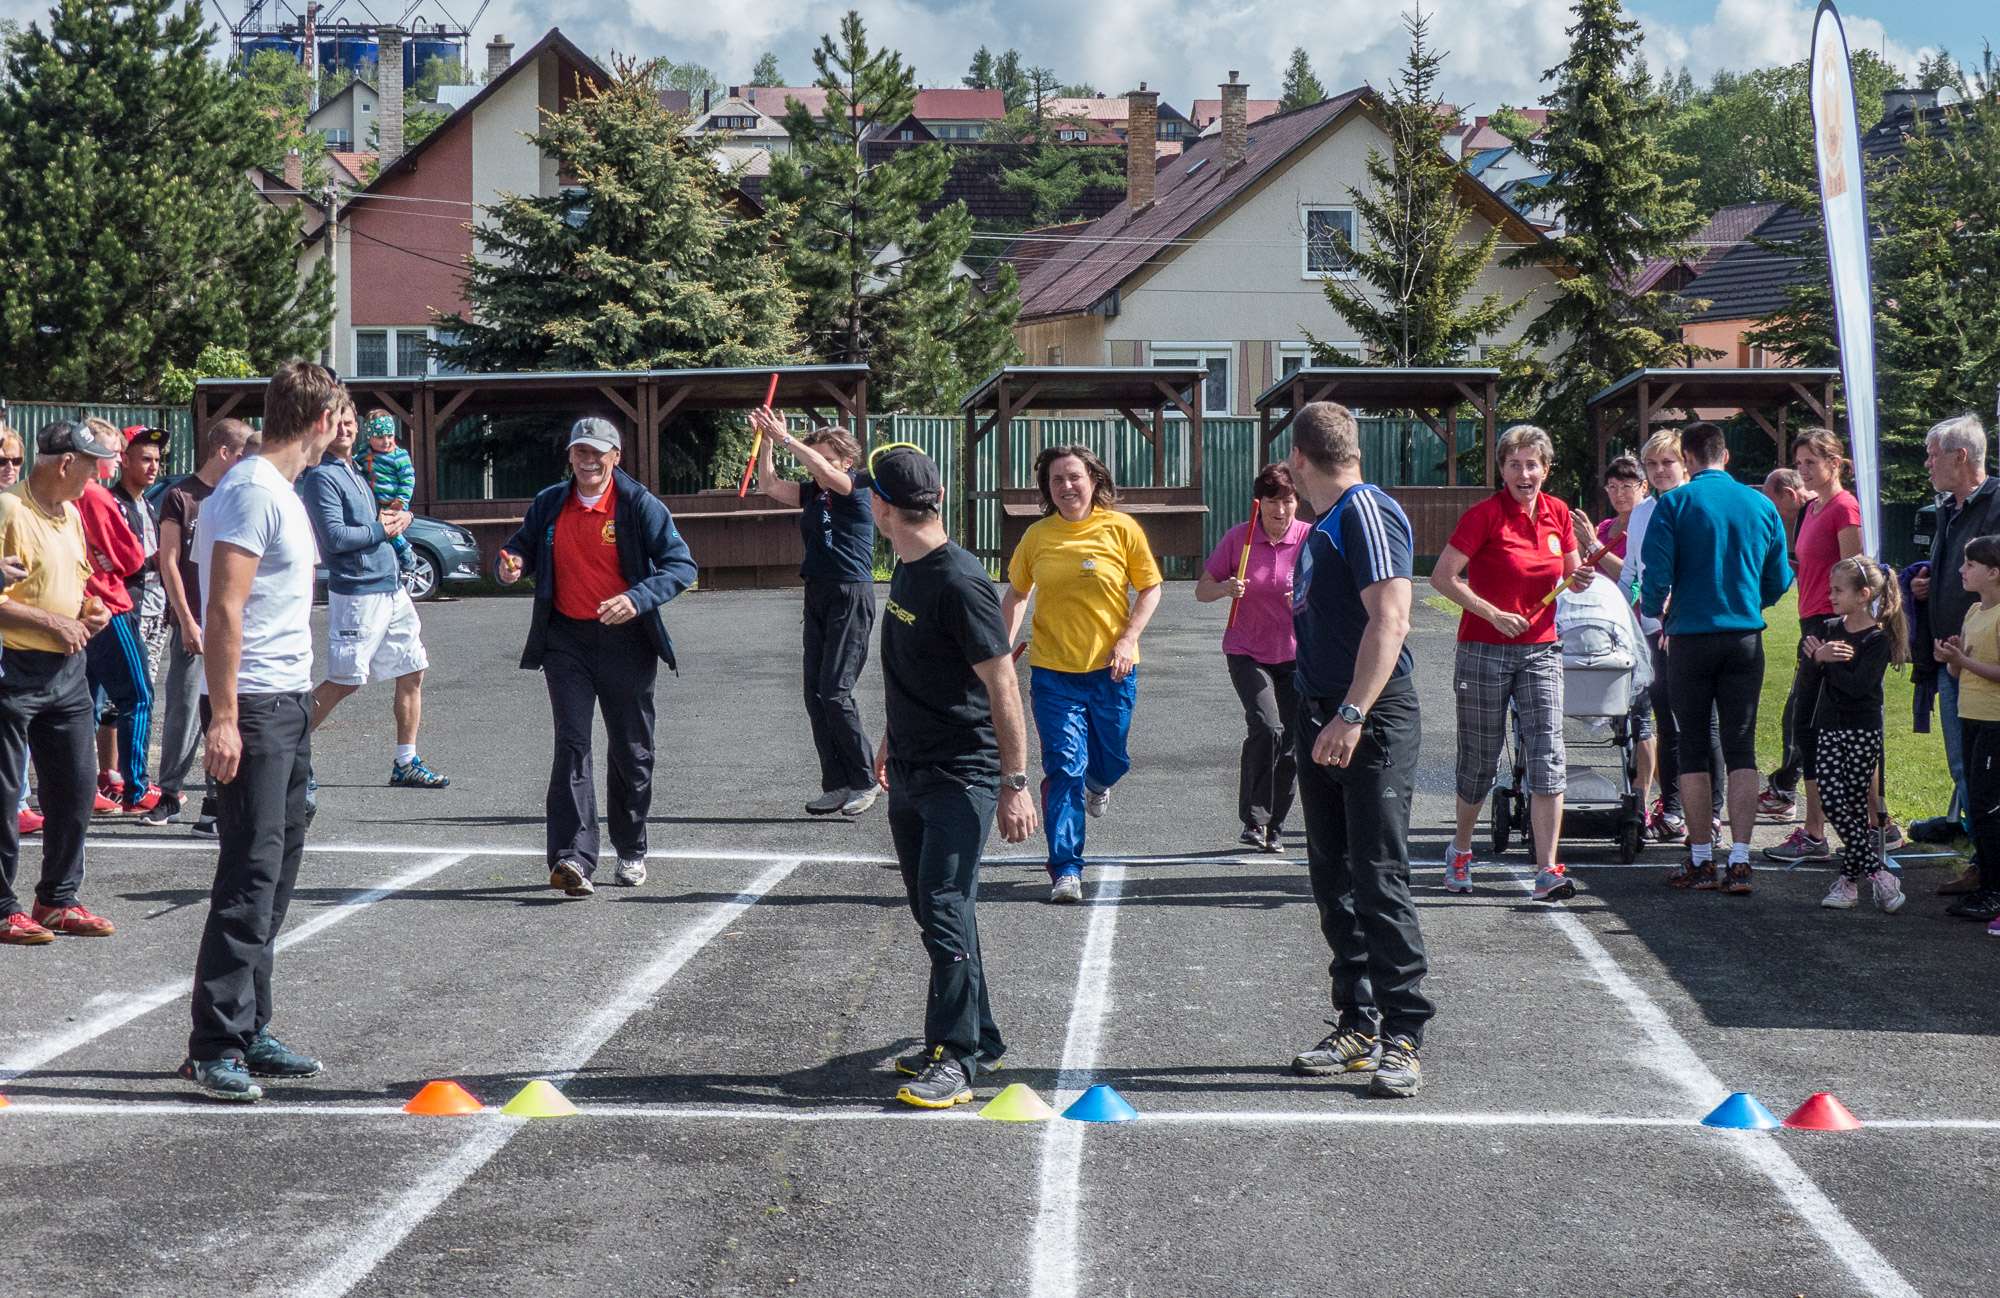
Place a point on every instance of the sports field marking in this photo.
(123, 1009)
(1674, 1058)
(1052, 1255)
(410, 1209)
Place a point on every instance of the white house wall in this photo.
(503, 162)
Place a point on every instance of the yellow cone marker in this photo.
(1017, 1103)
(538, 1099)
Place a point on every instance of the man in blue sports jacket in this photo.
(605, 556)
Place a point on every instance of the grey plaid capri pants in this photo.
(1485, 678)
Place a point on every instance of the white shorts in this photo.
(372, 637)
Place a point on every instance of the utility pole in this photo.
(332, 199)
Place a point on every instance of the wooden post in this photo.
(1492, 429)
(1450, 431)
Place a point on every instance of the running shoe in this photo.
(1964, 882)
(1982, 905)
(1798, 847)
(1993, 929)
(29, 822)
(1892, 835)
(827, 803)
(859, 800)
(942, 1085)
(566, 876)
(1843, 895)
(103, 806)
(413, 774)
(913, 1064)
(222, 1079)
(1252, 836)
(165, 812)
(144, 802)
(1690, 876)
(1274, 839)
(1397, 1073)
(20, 929)
(1736, 879)
(631, 874)
(1067, 890)
(1343, 1050)
(72, 921)
(1934, 829)
(1096, 802)
(1672, 823)
(270, 1057)
(1775, 804)
(1457, 870)
(1554, 884)
(1889, 896)
(204, 821)
(112, 785)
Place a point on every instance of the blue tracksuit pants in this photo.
(1083, 718)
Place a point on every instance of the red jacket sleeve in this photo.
(113, 547)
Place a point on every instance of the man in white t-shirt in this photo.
(255, 547)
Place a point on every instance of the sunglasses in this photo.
(14, 460)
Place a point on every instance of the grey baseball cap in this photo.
(71, 437)
(599, 434)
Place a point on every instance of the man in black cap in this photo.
(46, 619)
(956, 746)
(605, 556)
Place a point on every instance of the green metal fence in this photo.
(30, 417)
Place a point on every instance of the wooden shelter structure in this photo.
(748, 542)
(1433, 395)
(1635, 405)
(1171, 515)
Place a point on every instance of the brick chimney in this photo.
(1142, 129)
(1235, 120)
(499, 56)
(295, 172)
(389, 113)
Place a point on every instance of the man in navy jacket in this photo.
(605, 556)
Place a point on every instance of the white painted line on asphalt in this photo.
(124, 1009)
(1673, 1057)
(1052, 1257)
(410, 1209)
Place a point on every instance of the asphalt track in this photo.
(726, 1031)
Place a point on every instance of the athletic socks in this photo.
(1701, 853)
(406, 753)
(1739, 853)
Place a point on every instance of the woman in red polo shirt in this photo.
(1260, 649)
(1507, 553)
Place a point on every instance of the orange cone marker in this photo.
(1822, 1112)
(444, 1099)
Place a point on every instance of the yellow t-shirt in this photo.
(1979, 698)
(52, 548)
(1080, 573)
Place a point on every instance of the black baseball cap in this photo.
(905, 477)
(71, 437)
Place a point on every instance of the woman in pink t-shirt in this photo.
(1829, 531)
(1260, 649)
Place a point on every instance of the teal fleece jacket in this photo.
(1718, 547)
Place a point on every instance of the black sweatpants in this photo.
(1669, 736)
(1720, 672)
(1982, 796)
(939, 823)
(610, 669)
(1269, 768)
(1795, 728)
(260, 823)
(45, 709)
(838, 617)
(1358, 856)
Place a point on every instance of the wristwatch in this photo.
(1017, 781)
(1352, 715)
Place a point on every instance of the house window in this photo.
(1216, 394)
(906, 134)
(338, 138)
(1055, 355)
(367, 108)
(1296, 356)
(1170, 130)
(444, 366)
(375, 349)
(371, 353)
(412, 352)
(1322, 253)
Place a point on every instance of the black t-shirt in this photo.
(1849, 693)
(839, 533)
(180, 506)
(943, 616)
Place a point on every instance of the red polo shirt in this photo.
(1515, 561)
(586, 557)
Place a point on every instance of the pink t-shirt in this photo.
(1604, 527)
(1263, 627)
(1819, 550)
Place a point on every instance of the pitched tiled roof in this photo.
(1480, 159)
(975, 180)
(960, 105)
(350, 169)
(1729, 227)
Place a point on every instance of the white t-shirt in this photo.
(255, 509)
(1635, 566)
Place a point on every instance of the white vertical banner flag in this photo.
(1843, 198)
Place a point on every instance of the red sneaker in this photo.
(18, 930)
(149, 800)
(29, 821)
(73, 920)
(111, 784)
(106, 806)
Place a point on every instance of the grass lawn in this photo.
(1919, 783)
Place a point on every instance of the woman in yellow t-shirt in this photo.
(1082, 562)
(1973, 656)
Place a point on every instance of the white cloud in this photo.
(1760, 33)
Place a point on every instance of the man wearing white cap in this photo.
(605, 556)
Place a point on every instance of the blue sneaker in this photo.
(270, 1057)
(413, 774)
(222, 1079)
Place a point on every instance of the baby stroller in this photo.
(1605, 666)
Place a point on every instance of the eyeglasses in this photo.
(13, 460)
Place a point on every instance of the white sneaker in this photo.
(1067, 890)
(631, 874)
(1457, 870)
(1096, 802)
(1889, 896)
(1842, 895)
(859, 800)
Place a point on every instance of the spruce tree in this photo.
(130, 239)
(980, 75)
(767, 72)
(1011, 78)
(652, 267)
(1408, 300)
(875, 278)
(1302, 89)
(1606, 172)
